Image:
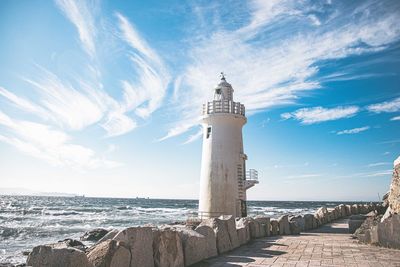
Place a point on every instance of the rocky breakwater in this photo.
(384, 230)
(179, 245)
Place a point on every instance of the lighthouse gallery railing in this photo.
(223, 106)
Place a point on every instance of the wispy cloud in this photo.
(388, 106)
(54, 146)
(320, 114)
(80, 14)
(378, 164)
(272, 57)
(354, 130)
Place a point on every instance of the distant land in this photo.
(18, 191)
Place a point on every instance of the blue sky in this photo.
(103, 97)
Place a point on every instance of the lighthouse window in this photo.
(208, 132)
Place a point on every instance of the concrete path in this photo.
(330, 245)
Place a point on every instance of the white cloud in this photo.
(354, 130)
(320, 114)
(144, 95)
(43, 142)
(272, 59)
(378, 164)
(397, 118)
(388, 106)
(80, 14)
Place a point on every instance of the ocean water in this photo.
(27, 221)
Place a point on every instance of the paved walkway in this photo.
(330, 245)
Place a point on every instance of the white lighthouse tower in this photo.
(224, 179)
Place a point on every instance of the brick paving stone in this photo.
(329, 245)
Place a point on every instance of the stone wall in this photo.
(181, 245)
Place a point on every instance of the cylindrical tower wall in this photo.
(222, 154)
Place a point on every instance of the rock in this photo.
(243, 230)
(342, 210)
(284, 227)
(211, 240)
(355, 221)
(321, 215)
(255, 228)
(394, 193)
(94, 235)
(348, 210)
(301, 223)
(367, 232)
(294, 228)
(388, 232)
(140, 243)
(110, 235)
(265, 225)
(274, 227)
(231, 225)
(47, 256)
(110, 253)
(196, 246)
(221, 231)
(167, 248)
(354, 209)
(308, 222)
(316, 222)
(67, 243)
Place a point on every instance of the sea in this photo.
(28, 221)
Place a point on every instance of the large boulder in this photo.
(225, 231)
(342, 210)
(167, 248)
(294, 228)
(195, 245)
(388, 232)
(94, 235)
(354, 209)
(300, 221)
(321, 215)
(255, 228)
(394, 193)
(243, 230)
(211, 240)
(110, 235)
(265, 225)
(140, 243)
(284, 227)
(355, 221)
(47, 256)
(308, 222)
(110, 253)
(274, 227)
(348, 210)
(368, 231)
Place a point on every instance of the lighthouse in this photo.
(224, 179)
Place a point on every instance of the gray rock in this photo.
(342, 210)
(167, 248)
(321, 215)
(308, 222)
(294, 228)
(140, 243)
(355, 221)
(348, 210)
(300, 221)
(110, 253)
(243, 230)
(255, 228)
(265, 227)
(196, 246)
(209, 234)
(354, 209)
(220, 228)
(388, 232)
(274, 227)
(94, 235)
(47, 256)
(231, 225)
(284, 227)
(110, 235)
